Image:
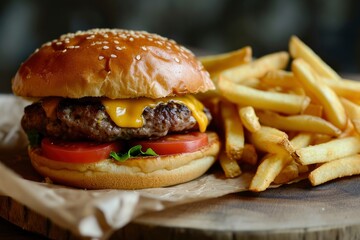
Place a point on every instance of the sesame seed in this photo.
(137, 57)
(116, 42)
(131, 39)
(144, 48)
(105, 47)
(90, 37)
(48, 44)
(106, 36)
(168, 47)
(92, 44)
(64, 51)
(59, 43)
(105, 42)
(176, 60)
(77, 46)
(150, 39)
(113, 56)
(71, 47)
(101, 57)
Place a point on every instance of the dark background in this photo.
(330, 27)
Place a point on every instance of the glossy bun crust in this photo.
(111, 63)
(135, 173)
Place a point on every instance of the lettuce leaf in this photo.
(135, 151)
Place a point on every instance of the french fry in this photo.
(353, 111)
(270, 167)
(325, 152)
(345, 88)
(230, 167)
(298, 49)
(233, 129)
(348, 131)
(216, 63)
(314, 110)
(271, 140)
(281, 102)
(305, 123)
(333, 108)
(249, 155)
(342, 167)
(302, 168)
(251, 82)
(280, 78)
(321, 138)
(272, 164)
(257, 68)
(289, 173)
(301, 140)
(249, 118)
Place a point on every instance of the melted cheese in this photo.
(128, 112)
(49, 105)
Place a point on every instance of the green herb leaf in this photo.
(34, 138)
(135, 151)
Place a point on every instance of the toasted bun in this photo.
(135, 173)
(111, 63)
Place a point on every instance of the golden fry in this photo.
(249, 118)
(216, 63)
(280, 78)
(313, 110)
(298, 49)
(230, 167)
(233, 129)
(353, 111)
(342, 167)
(249, 155)
(272, 164)
(325, 152)
(271, 140)
(305, 123)
(345, 88)
(281, 102)
(289, 173)
(257, 68)
(332, 106)
(269, 168)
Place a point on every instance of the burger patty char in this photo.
(87, 119)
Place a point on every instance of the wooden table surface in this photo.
(297, 211)
(9, 231)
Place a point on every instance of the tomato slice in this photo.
(175, 143)
(77, 152)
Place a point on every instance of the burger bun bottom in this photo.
(135, 173)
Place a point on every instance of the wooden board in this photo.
(297, 211)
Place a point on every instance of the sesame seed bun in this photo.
(113, 64)
(135, 173)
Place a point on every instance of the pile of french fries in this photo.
(285, 124)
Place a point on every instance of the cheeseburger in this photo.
(115, 109)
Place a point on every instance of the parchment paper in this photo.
(94, 213)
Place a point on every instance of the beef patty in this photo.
(87, 119)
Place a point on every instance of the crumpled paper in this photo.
(94, 213)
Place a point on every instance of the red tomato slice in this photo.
(77, 152)
(176, 143)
